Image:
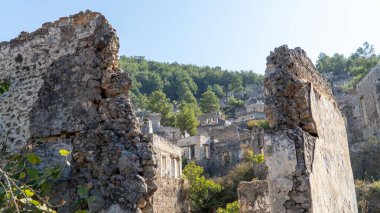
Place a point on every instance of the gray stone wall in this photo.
(168, 156)
(67, 92)
(362, 110)
(225, 134)
(253, 197)
(170, 196)
(306, 152)
(225, 155)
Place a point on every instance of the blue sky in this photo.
(232, 34)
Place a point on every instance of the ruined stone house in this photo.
(361, 108)
(337, 81)
(195, 147)
(217, 153)
(152, 121)
(212, 119)
(249, 112)
(216, 148)
(169, 196)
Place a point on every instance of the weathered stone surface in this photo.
(307, 154)
(254, 197)
(67, 92)
(362, 108)
(170, 196)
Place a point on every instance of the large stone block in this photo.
(309, 167)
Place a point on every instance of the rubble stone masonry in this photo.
(67, 92)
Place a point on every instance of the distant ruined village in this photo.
(67, 92)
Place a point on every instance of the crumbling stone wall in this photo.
(362, 108)
(67, 92)
(170, 196)
(227, 154)
(306, 152)
(253, 197)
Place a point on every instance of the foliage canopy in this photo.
(202, 190)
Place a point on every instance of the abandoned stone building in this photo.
(212, 119)
(195, 147)
(168, 156)
(361, 108)
(217, 148)
(337, 81)
(249, 112)
(170, 133)
(225, 155)
(168, 197)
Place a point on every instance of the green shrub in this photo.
(250, 168)
(23, 187)
(260, 123)
(250, 156)
(4, 87)
(235, 102)
(202, 191)
(368, 195)
(230, 208)
(365, 160)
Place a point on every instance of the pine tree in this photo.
(158, 102)
(209, 102)
(187, 120)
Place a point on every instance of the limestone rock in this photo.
(306, 152)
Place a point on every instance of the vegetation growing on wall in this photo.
(4, 87)
(230, 208)
(260, 123)
(250, 168)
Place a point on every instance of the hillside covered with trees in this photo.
(176, 79)
(358, 64)
(183, 90)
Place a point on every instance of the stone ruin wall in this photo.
(253, 197)
(170, 196)
(67, 92)
(225, 155)
(362, 110)
(306, 150)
